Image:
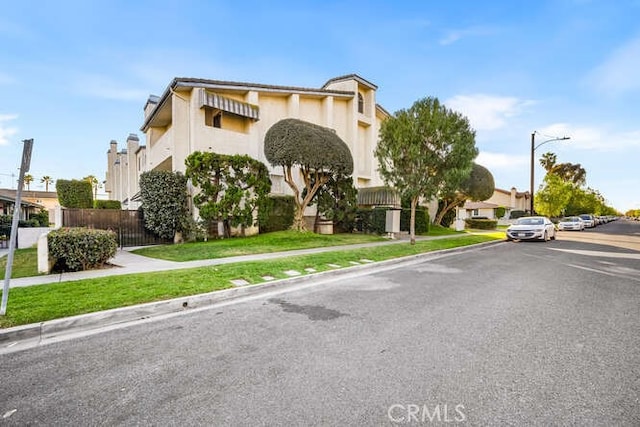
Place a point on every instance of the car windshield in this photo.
(530, 221)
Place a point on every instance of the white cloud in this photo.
(6, 131)
(453, 36)
(495, 161)
(487, 112)
(104, 87)
(592, 138)
(618, 73)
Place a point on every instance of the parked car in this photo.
(571, 223)
(532, 228)
(589, 220)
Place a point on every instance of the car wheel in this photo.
(553, 236)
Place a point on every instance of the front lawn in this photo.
(25, 263)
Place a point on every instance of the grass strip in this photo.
(25, 263)
(46, 302)
(262, 243)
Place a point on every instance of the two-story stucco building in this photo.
(232, 118)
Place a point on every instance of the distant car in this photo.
(571, 223)
(589, 220)
(532, 228)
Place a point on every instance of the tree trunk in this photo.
(412, 223)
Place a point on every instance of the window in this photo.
(213, 117)
(475, 212)
(217, 120)
(360, 103)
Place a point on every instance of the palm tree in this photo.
(94, 184)
(548, 161)
(47, 181)
(28, 179)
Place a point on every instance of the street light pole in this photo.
(534, 147)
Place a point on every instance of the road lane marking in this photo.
(594, 270)
(600, 253)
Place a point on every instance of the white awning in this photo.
(229, 105)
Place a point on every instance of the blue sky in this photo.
(76, 74)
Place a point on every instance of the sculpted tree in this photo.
(318, 152)
(478, 186)
(231, 187)
(425, 149)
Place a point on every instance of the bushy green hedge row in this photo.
(370, 220)
(74, 193)
(107, 204)
(276, 213)
(76, 249)
(482, 224)
(422, 220)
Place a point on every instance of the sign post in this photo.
(26, 163)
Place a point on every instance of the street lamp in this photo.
(534, 147)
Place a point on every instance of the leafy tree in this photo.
(570, 172)
(231, 187)
(164, 202)
(47, 180)
(337, 200)
(424, 148)
(74, 193)
(318, 152)
(28, 179)
(551, 200)
(478, 186)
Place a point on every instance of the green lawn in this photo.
(25, 263)
(263, 243)
(45, 302)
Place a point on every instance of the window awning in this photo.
(229, 105)
(378, 196)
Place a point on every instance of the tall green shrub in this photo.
(164, 201)
(422, 217)
(74, 193)
(76, 249)
(276, 213)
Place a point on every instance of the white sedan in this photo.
(532, 228)
(571, 223)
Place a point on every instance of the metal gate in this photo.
(128, 225)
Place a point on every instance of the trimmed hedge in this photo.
(517, 214)
(276, 213)
(74, 193)
(482, 224)
(422, 220)
(77, 249)
(370, 220)
(107, 204)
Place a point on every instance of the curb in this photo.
(91, 321)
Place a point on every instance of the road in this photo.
(519, 333)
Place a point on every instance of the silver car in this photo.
(532, 228)
(571, 223)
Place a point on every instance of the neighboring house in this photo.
(509, 200)
(31, 202)
(232, 118)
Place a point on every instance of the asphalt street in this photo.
(519, 333)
